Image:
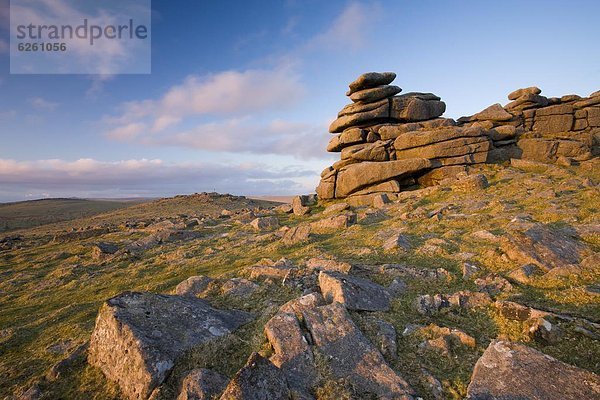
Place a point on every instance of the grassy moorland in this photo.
(50, 290)
(29, 214)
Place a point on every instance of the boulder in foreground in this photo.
(139, 336)
(514, 371)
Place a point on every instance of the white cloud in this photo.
(231, 96)
(224, 93)
(349, 29)
(145, 177)
(247, 136)
(43, 104)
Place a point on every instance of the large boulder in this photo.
(374, 94)
(354, 292)
(139, 336)
(351, 356)
(514, 371)
(381, 113)
(416, 107)
(409, 140)
(448, 149)
(358, 176)
(369, 80)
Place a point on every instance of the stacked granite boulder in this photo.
(388, 141)
(537, 128)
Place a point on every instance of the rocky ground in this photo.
(438, 259)
(432, 295)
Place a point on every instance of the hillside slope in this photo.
(471, 237)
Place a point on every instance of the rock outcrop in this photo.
(139, 336)
(389, 141)
(514, 371)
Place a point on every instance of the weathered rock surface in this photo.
(374, 94)
(369, 80)
(514, 371)
(354, 292)
(193, 286)
(351, 355)
(202, 384)
(139, 336)
(259, 379)
(292, 353)
(356, 176)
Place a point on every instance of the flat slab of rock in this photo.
(259, 379)
(374, 94)
(450, 148)
(354, 292)
(409, 140)
(544, 247)
(351, 355)
(139, 336)
(357, 176)
(514, 371)
(369, 80)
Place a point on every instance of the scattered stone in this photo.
(139, 336)
(269, 269)
(385, 339)
(324, 264)
(239, 287)
(259, 379)
(103, 249)
(433, 384)
(284, 208)
(544, 331)
(512, 371)
(297, 234)
(193, 286)
(493, 285)
(265, 223)
(472, 183)
(397, 242)
(66, 363)
(354, 292)
(202, 384)
(301, 204)
(336, 222)
(428, 304)
(396, 288)
(336, 208)
(525, 273)
(518, 312)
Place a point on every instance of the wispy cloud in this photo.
(349, 31)
(43, 104)
(139, 177)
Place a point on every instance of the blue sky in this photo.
(241, 92)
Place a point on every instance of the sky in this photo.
(241, 93)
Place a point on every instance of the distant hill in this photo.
(32, 213)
